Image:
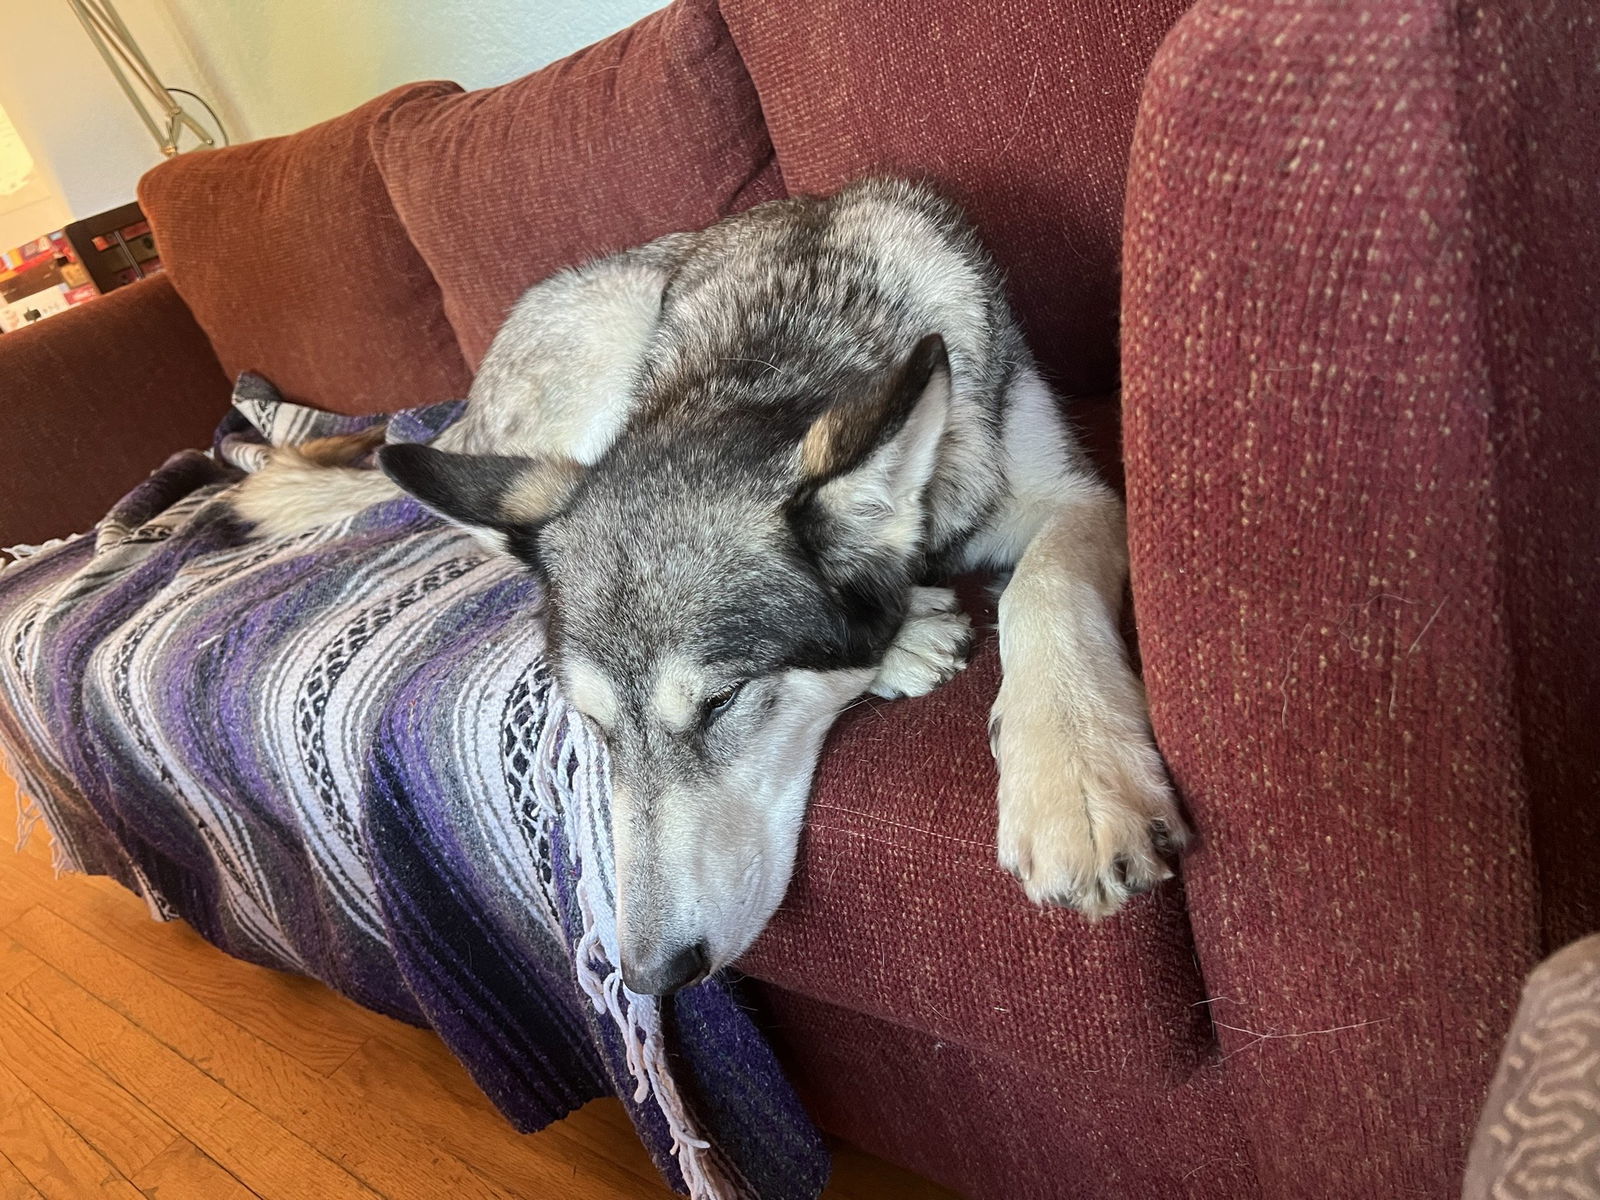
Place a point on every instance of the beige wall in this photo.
(266, 66)
(88, 142)
(29, 202)
(285, 64)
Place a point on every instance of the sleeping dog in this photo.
(740, 461)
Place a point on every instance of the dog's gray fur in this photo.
(740, 459)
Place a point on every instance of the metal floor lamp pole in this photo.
(166, 118)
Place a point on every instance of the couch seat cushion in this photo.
(899, 910)
(653, 130)
(293, 261)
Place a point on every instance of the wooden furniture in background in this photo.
(116, 246)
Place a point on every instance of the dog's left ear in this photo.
(501, 499)
(867, 461)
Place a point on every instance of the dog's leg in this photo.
(929, 649)
(1085, 810)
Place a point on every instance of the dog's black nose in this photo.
(672, 974)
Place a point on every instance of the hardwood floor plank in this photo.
(14, 1184)
(286, 1011)
(372, 1141)
(17, 895)
(300, 1016)
(44, 1149)
(121, 1128)
(16, 962)
(184, 1172)
(260, 1152)
(35, 854)
(239, 1062)
(534, 1165)
(601, 1125)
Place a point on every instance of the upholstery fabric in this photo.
(294, 263)
(1359, 428)
(1023, 109)
(1531, 122)
(1005, 1127)
(92, 400)
(899, 909)
(653, 130)
(1358, 351)
(1540, 1130)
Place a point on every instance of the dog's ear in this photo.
(502, 499)
(865, 462)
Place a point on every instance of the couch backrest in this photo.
(1024, 109)
(292, 259)
(338, 261)
(653, 130)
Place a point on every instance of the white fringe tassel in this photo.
(638, 1017)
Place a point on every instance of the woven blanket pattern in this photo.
(343, 755)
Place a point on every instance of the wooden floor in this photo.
(138, 1060)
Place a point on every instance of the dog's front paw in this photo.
(930, 648)
(1086, 815)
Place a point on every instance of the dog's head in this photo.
(716, 597)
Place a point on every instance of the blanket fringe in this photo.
(23, 550)
(638, 1017)
(31, 815)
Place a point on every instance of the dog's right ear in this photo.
(501, 499)
(865, 463)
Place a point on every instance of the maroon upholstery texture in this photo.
(1005, 1128)
(899, 909)
(1531, 122)
(1023, 109)
(653, 130)
(1359, 345)
(294, 263)
(93, 400)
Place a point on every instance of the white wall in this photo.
(284, 64)
(29, 202)
(88, 143)
(266, 66)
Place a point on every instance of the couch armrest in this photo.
(1361, 435)
(93, 400)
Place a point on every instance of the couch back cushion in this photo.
(652, 130)
(293, 261)
(1023, 109)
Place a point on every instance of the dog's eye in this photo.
(721, 702)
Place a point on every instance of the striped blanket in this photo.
(342, 755)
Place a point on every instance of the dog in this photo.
(741, 460)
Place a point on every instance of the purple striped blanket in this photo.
(342, 755)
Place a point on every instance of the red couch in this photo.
(1352, 247)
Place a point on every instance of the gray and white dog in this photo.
(740, 459)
